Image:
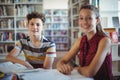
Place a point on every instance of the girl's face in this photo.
(35, 27)
(87, 20)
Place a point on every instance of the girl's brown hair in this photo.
(96, 11)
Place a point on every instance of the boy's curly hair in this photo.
(35, 15)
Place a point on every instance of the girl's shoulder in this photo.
(105, 40)
(77, 42)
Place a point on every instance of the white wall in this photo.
(55, 4)
(109, 8)
(109, 5)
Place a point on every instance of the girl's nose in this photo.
(85, 19)
(35, 26)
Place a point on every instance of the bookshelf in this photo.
(108, 15)
(13, 21)
(110, 21)
(56, 28)
(74, 6)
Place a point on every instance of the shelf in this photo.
(116, 44)
(76, 3)
(6, 42)
(22, 29)
(117, 58)
(2, 57)
(109, 11)
(30, 3)
(56, 27)
(6, 16)
(116, 68)
(7, 4)
(6, 29)
(3, 54)
(116, 73)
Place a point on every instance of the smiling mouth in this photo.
(35, 31)
(85, 27)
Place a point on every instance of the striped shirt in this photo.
(37, 55)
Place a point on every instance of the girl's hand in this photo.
(65, 69)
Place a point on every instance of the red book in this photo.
(114, 36)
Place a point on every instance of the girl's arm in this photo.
(94, 66)
(62, 64)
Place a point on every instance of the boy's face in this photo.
(35, 26)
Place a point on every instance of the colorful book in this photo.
(114, 37)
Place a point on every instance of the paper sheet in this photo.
(44, 75)
(53, 74)
(77, 76)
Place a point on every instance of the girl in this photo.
(93, 47)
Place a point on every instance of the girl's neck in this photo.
(90, 34)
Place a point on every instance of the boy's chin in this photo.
(37, 36)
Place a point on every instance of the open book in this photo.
(40, 73)
(9, 67)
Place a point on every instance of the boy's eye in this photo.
(38, 24)
(88, 18)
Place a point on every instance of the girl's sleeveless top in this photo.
(88, 50)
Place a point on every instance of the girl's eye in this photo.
(32, 24)
(80, 18)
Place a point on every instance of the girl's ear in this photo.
(27, 24)
(97, 20)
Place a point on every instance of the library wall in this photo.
(108, 11)
(110, 20)
(55, 4)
